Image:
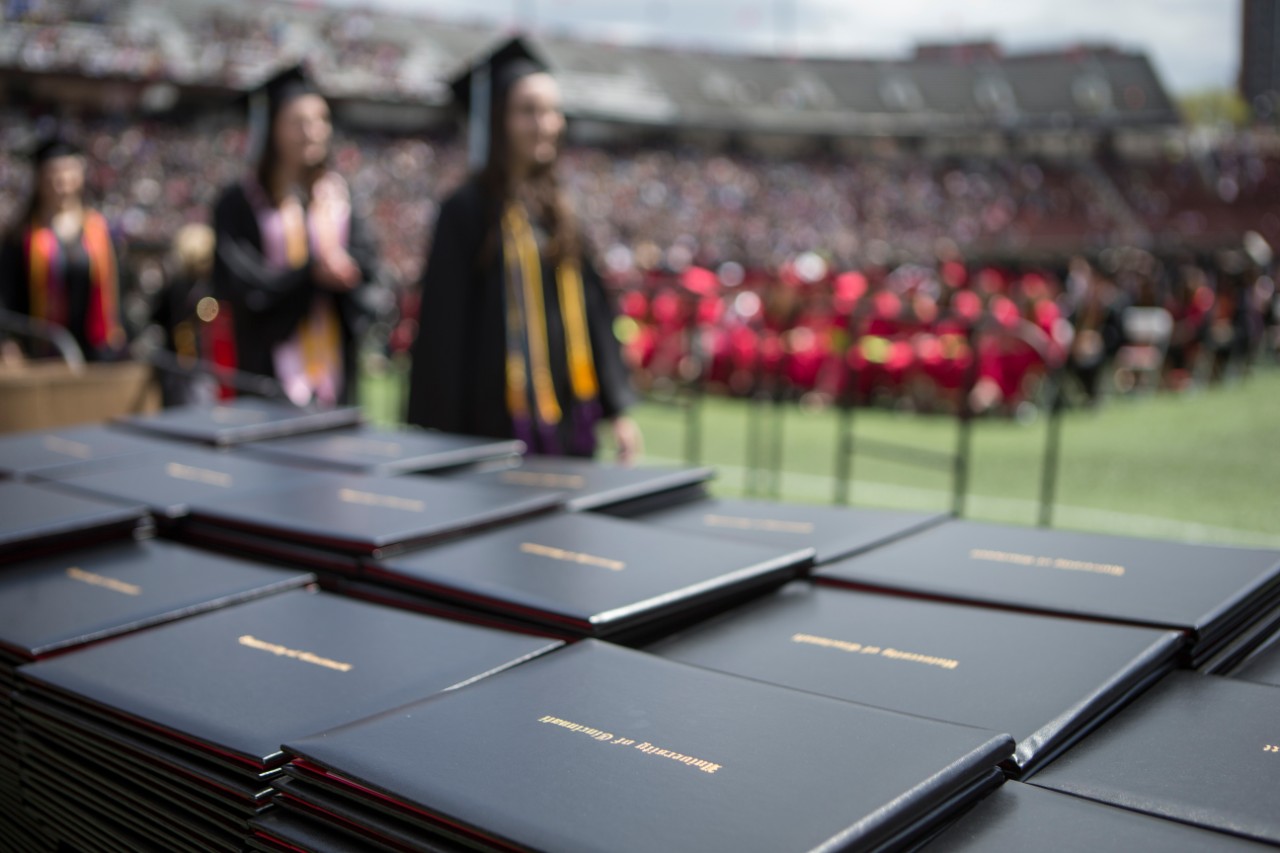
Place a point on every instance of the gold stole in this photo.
(524, 280)
(319, 336)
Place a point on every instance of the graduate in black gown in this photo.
(292, 261)
(515, 335)
(58, 263)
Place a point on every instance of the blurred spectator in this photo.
(1095, 313)
(58, 264)
(185, 312)
(651, 215)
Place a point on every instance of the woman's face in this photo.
(302, 132)
(535, 122)
(62, 178)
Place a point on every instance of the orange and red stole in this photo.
(47, 286)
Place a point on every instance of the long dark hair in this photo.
(19, 226)
(269, 161)
(548, 203)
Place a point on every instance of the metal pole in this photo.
(964, 443)
(55, 335)
(844, 422)
(755, 436)
(775, 462)
(693, 397)
(844, 453)
(693, 427)
(1052, 449)
(249, 383)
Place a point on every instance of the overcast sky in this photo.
(1194, 43)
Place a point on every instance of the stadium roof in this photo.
(962, 88)
(1093, 87)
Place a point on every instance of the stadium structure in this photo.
(1096, 119)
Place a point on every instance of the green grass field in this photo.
(1199, 466)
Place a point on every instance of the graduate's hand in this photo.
(628, 438)
(335, 270)
(330, 200)
(330, 207)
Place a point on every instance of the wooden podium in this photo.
(48, 393)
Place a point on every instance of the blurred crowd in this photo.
(920, 336)
(212, 46)
(759, 272)
(84, 37)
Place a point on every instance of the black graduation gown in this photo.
(268, 304)
(15, 292)
(174, 315)
(458, 378)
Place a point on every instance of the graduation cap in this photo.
(271, 96)
(287, 85)
(53, 146)
(486, 82)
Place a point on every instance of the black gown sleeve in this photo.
(363, 249)
(616, 392)
(13, 276)
(241, 274)
(438, 376)
(126, 282)
(359, 307)
(362, 304)
(13, 283)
